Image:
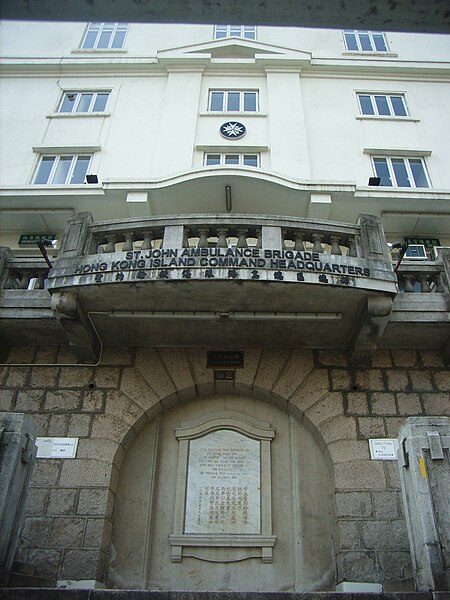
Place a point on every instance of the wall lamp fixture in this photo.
(229, 316)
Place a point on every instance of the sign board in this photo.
(383, 449)
(225, 359)
(56, 447)
(31, 239)
(224, 375)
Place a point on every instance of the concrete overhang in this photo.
(402, 15)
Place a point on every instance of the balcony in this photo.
(226, 281)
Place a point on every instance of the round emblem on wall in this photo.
(232, 130)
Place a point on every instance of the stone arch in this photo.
(161, 379)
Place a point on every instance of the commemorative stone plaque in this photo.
(223, 484)
(223, 497)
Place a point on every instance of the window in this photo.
(382, 104)
(83, 102)
(62, 169)
(105, 35)
(244, 31)
(233, 101)
(248, 160)
(365, 41)
(401, 172)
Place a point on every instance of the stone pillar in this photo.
(17, 454)
(74, 239)
(424, 463)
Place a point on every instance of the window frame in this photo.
(370, 33)
(225, 100)
(90, 28)
(77, 101)
(410, 175)
(55, 164)
(227, 28)
(388, 96)
(241, 158)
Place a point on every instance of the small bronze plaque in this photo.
(224, 375)
(221, 359)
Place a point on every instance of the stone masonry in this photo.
(68, 521)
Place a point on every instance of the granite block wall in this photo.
(68, 523)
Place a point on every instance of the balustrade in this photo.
(24, 274)
(425, 278)
(109, 238)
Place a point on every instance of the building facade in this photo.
(223, 326)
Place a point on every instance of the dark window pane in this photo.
(382, 105)
(365, 42)
(399, 106)
(366, 105)
(382, 171)
(44, 169)
(67, 103)
(350, 40)
(216, 101)
(85, 102)
(213, 159)
(232, 159)
(418, 171)
(118, 39)
(251, 160)
(400, 172)
(89, 40)
(100, 102)
(79, 173)
(62, 169)
(250, 101)
(380, 44)
(233, 101)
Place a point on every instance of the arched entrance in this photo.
(224, 493)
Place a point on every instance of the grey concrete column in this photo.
(424, 463)
(17, 454)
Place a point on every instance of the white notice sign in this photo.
(383, 449)
(224, 484)
(54, 447)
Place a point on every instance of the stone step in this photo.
(23, 567)
(96, 594)
(25, 580)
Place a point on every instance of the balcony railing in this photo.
(22, 273)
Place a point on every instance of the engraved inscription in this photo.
(224, 484)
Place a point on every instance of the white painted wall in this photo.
(157, 124)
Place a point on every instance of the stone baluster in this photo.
(351, 247)
(242, 238)
(299, 238)
(335, 245)
(186, 235)
(424, 285)
(128, 245)
(408, 280)
(203, 238)
(111, 245)
(317, 240)
(284, 238)
(148, 238)
(259, 239)
(41, 276)
(439, 282)
(24, 280)
(222, 237)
